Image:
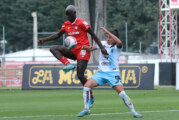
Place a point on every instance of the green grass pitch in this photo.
(162, 103)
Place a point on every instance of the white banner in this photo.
(174, 4)
(177, 76)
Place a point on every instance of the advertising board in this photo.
(51, 76)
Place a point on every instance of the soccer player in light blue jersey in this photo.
(108, 72)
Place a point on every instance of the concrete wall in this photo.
(177, 76)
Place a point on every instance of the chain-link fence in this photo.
(10, 78)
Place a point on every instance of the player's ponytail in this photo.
(115, 32)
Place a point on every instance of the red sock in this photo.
(91, 93)
(64, 60)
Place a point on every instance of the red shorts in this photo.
(81, 54)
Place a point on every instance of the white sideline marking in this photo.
(138, 112)
(14, 117)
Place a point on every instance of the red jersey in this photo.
(77, 29)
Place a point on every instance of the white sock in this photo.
(127, 101)
(86, 97)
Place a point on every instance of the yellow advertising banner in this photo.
(51, 76)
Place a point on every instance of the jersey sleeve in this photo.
(84, 25)
(118, 48)
(63, 28)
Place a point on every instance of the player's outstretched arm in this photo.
(89, 48)
(116, 39)
(52, 37)
(103, 50)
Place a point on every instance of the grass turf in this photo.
(162, 103)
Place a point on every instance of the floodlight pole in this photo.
(35, 29)
(140, 47)
(4, 47)
(35, 33)
(126, 37)
(168, 30)
(3, 42)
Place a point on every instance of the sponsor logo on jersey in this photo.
(83, 53)
(76, 27)
(105, 63)
(73, 33)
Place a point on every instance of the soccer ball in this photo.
(70, 42)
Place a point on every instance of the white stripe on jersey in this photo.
(110, 64)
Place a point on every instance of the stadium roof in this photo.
(27, 55)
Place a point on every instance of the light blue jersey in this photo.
(112, 63)
(108, 69)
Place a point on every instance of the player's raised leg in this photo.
(61, 52)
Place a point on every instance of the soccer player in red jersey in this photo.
(77, 28)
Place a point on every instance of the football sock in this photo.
(86, 97)
(64, 60)
(91, 94)
(127, 101)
